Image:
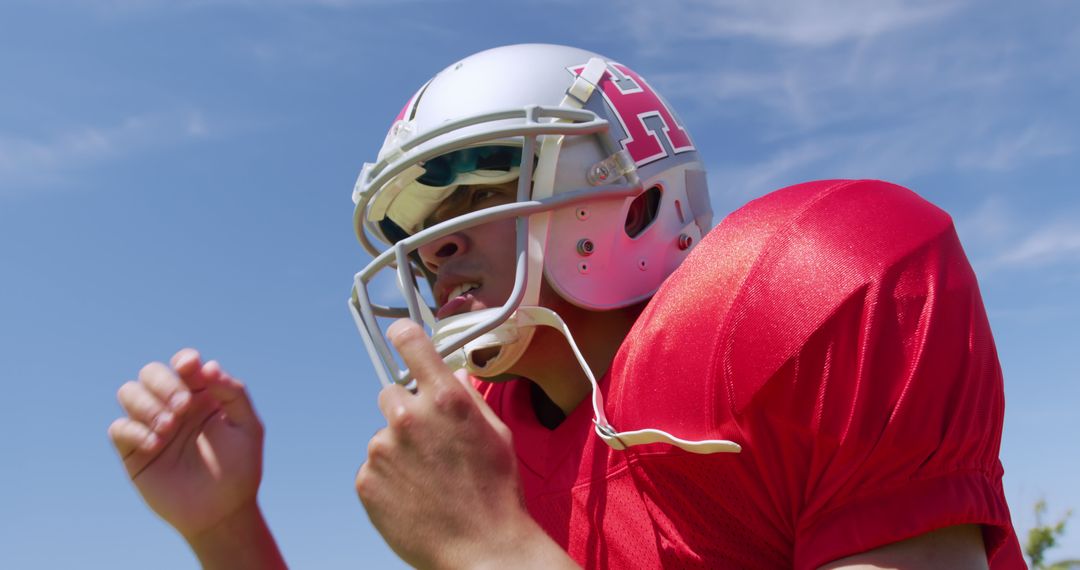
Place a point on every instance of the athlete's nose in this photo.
(437, 252)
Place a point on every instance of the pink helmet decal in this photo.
(406, 113)
(650, 128)
(404, 110)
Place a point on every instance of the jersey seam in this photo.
(721, 331)
(983, 472)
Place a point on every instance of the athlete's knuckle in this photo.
(258, 428)
(402, 420)
(151, 371)
(453, 401)
(117, 428)
(379, 447)
(364, 482)
(386, 395)
(127, 391)
(406, 333)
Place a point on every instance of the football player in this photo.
(811, 384)
(584, 372)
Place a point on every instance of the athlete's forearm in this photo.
(526, 547)
(243, 540)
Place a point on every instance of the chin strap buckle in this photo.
(609, 435)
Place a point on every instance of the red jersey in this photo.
(833, 329)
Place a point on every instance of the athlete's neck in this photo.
(550, 363)
(547, 413)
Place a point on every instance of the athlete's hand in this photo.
(441, 482)
(192, 445)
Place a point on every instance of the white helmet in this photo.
(611, 193)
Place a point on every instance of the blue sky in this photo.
(179, 173)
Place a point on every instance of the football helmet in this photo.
(611, 197)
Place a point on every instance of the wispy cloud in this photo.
(1002, 234)
(888, 90)
(739, 182)
(808, 23)
(935, 143)
(990, 222)
(27, 162)
(789, 22)
(1052, 244)
(1008, 150)
(813, 87)
(142, 7)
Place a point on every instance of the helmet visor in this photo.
(493, 161)
(411, 197)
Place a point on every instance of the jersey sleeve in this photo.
(856, 357)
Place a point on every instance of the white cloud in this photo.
(989, 222)
(820, 22)
(137, 7)
(842, 88)
(781, 169)
(32, 162)
(939, 142)
(1052, 244)
(1009, 150)
(895, 152)
(195, 125)
(1003, 233)
(811, 23)
(782, 94)
(790, 91)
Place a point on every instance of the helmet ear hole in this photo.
(642, 212)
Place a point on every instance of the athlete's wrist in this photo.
(520, 545)
(242, 539)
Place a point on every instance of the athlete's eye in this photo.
(483, 196)
(471, 198)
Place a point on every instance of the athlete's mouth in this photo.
(461, 289)
(459, 299)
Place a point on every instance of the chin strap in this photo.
(522, 324)
(511, 339)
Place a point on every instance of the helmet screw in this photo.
(598, 174)
(585, 247)
(685, 241)
(582, 214)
